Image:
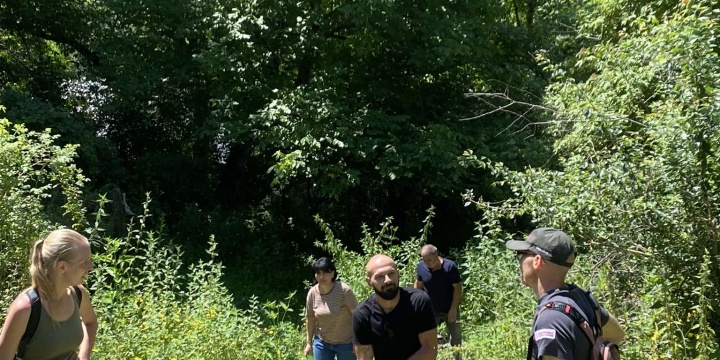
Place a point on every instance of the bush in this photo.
(497, 309)
(351, 264)
(41, 189)
(406, 253)
(637, 145)
(151, 306)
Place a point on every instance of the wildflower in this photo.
(211, 313)
(655, 336)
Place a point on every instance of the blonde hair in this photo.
(59, 245)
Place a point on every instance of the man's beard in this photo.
(387, 292)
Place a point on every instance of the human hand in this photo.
(308, 349)
(452, 316)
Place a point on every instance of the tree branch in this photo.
(75, 45)
(58, 37)
(505, 108)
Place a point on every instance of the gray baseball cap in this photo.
(551, 244)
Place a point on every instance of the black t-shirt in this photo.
(555, 334)
(394, 335)
(439, 283)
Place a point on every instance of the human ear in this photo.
(538, 261)
(61, 265)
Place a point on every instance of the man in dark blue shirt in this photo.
(394, 323)
(545, 258)
(440, 277)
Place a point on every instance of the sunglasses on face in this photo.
(521, 254)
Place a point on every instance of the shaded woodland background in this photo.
(277, 127)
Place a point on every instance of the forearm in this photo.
(364, 357)
(457, 296)
(310, 331)
(612, 331)
(90, 331)
(363, 352)
(425, 353)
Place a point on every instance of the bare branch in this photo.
(490, 112)
(504, 97)
(505, 108)
(487, 98)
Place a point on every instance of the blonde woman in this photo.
(329, 308)
(66, 325)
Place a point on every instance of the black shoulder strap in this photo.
(78, 294)
(32, 322)
(573, 314)
(596, 308)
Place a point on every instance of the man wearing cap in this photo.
(545, 258)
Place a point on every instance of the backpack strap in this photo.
(78, 294)
(32, 324)
(573, 314)
(596, 307)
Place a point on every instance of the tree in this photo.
(637, 145)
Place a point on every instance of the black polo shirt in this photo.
(394, 335)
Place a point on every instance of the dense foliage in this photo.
(227, 108)
(40, 188)
(153, 306)
(267, 127)
(637, 187)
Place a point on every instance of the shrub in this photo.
(406, 253)
(151, 306)
(637, 145)
(41, 189)
(351, 264)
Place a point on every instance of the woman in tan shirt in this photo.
(329, 308)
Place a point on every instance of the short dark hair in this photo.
(429, 249)
(324, 264)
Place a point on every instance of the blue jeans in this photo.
(326, 351)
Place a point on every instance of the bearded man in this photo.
(395, 323)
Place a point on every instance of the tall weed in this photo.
(151, 305)
(41, 191)
(351, 264)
